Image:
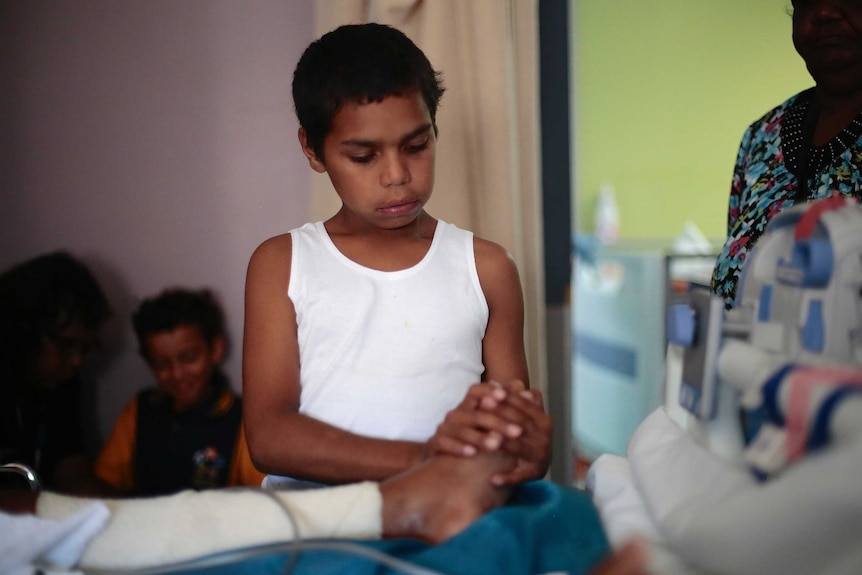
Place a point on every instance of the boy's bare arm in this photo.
(505, 415)
(503, 352)
(281, 440)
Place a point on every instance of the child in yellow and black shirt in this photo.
(185, 433)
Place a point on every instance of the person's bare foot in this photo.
(441, 497)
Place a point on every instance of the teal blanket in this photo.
(544, 528)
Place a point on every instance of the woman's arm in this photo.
(280, 439)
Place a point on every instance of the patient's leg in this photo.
(442, 496)
(432, 501)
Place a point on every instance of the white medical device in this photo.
(791, 346)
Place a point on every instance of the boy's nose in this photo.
(395, 172)
(176, 371)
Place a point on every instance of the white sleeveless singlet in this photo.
(387, 354)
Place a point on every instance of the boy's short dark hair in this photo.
(177, 307)
(41, 296)
(359, 63)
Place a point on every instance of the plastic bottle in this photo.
(607, 216)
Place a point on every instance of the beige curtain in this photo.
(487, 177)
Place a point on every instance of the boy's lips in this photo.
(184, 389)
(399, 207)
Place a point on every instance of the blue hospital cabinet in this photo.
(619, 305)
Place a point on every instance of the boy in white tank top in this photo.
(367, 335)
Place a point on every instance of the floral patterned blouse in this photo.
(765, 181)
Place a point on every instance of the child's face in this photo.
(62, 356)
(183, 363)
(380, 159)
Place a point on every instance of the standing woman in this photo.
(807, 148)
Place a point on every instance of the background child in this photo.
(186, 432)
(362, 332)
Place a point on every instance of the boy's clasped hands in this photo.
(505, 418)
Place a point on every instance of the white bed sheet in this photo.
(624, 514)
(703, 515)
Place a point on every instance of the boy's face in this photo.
(183, 363)
(380, 159)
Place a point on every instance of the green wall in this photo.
(663, 90)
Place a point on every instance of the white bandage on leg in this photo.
(159, 530)
(348, 512)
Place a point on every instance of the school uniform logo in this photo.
(209, 467)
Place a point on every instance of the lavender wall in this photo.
(156, 141)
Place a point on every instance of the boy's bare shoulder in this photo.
(274, 252)
(490, 253)
(274, 245)
(493, 261)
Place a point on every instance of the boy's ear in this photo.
(218, 349)
(313, 161)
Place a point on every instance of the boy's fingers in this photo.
(496, 416)
(488, 403)
(482, 430)
(451, 446)
(481, 392)
(530, 416)
(505, 412)
(512, 386)
(527, 402)
(533, 395)
(504, 421)
(515, 409)
(534, 443)
(535, 452)
(461, 435)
